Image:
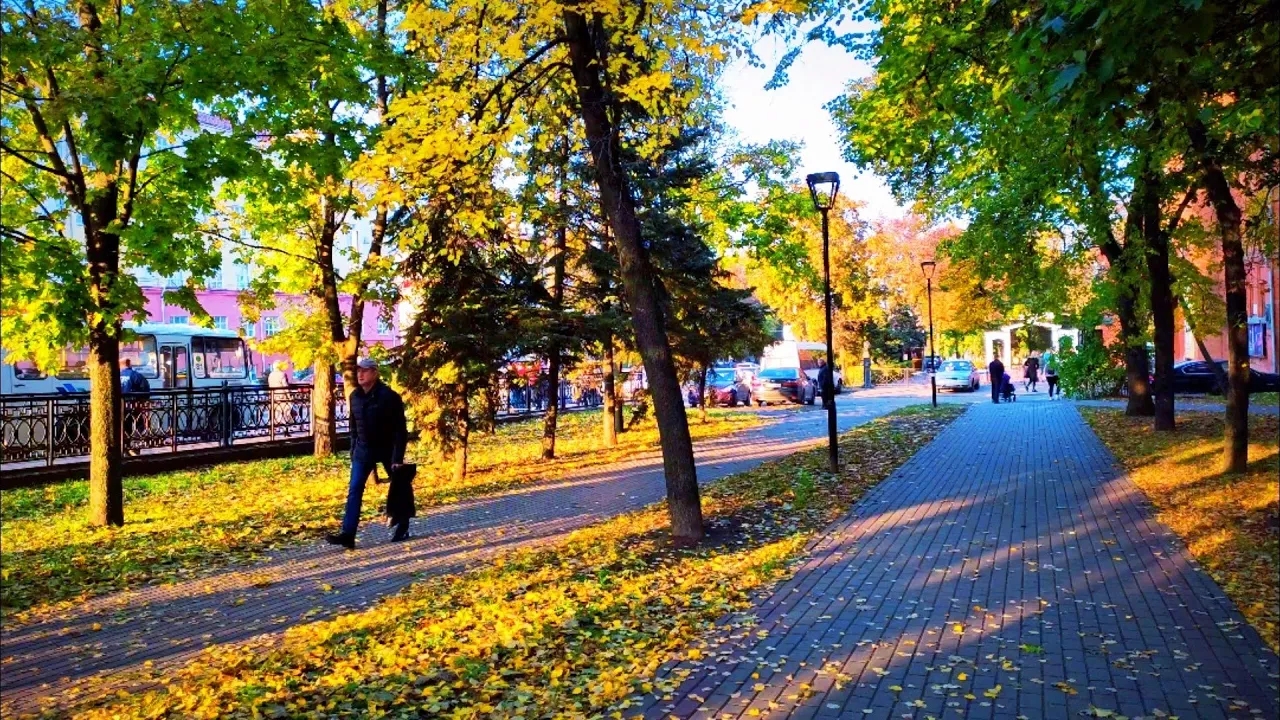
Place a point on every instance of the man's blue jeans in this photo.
(362, 463)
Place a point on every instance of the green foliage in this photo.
(102, 139)
(1091, 372)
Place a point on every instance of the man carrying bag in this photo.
(378, 437)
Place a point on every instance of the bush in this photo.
(1095, 371)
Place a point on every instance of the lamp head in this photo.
(928, 266)
(823, 188)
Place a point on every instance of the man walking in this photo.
(825, 379)
(995, 371)
(378, 435)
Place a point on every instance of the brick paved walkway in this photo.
(1014, 577)
(167, 625)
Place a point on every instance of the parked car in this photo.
(1197, 376)
(724, 387)
(784, 385)
(958, 375)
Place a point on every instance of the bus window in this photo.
(27, 370)
(74, 364)
(220, 358)
(141, 352)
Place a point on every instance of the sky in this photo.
(795, 112)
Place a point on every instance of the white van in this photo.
(169, 356)
(796, 354)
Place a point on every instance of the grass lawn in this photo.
(573, 630)
(1230, 523)
(182, 524)
(1256, 400)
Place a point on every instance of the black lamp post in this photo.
(928, 266)
(823, 188)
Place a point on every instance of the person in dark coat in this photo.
(995, 371)
(825, 378)
(379, 434)
(1031, 371)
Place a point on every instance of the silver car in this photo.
(958, 375)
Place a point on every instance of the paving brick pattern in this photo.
(1008, 570)
(45, 661)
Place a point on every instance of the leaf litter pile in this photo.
(1229, 523)
(184, 525)
(573, 630)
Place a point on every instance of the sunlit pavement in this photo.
(1008, 570)
(167, 625)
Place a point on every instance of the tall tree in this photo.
(312, 190)
(107, 163)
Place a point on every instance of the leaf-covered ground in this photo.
(180, 525)
(572, 630)
(1230, 523)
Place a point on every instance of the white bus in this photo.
(802, 355)
(171, 357)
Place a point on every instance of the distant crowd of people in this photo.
(1002, 384)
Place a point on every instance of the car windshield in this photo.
(720, 377)
(956, 366)
(779, 374)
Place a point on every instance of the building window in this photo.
(270, 326)
(179, 320)
(384, 327)
(1257, 340)
(214, 281)
(242, 277)
(220, 322)
(249, 329)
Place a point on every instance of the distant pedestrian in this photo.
(137, 401)
(278, 382)
(1051, 377)
(995, 371)
(824, 381)
(378, 435)
(1031, 372)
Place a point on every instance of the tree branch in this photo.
(502, 82)
(1177, 216)
(255, 246)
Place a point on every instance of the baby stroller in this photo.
(1008, 392)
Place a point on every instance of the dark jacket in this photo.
(378, 427)
(995, 371)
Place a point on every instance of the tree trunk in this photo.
(106, 429)
(609, 397)
(489, 406)
(1156, 252)
(461, 431)
(557, 310)
(1135, 352)
(1229, 220)
(702, 395)
(323, 424)
(683, 502)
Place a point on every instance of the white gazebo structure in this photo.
(1005, 336)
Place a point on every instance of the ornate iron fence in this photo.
(52, 427)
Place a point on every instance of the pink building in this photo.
(224, 307)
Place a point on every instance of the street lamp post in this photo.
(928, 266)
(823, 188)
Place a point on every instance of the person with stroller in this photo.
(995, 371)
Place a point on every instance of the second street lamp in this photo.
(928, 266)
(823, 188)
